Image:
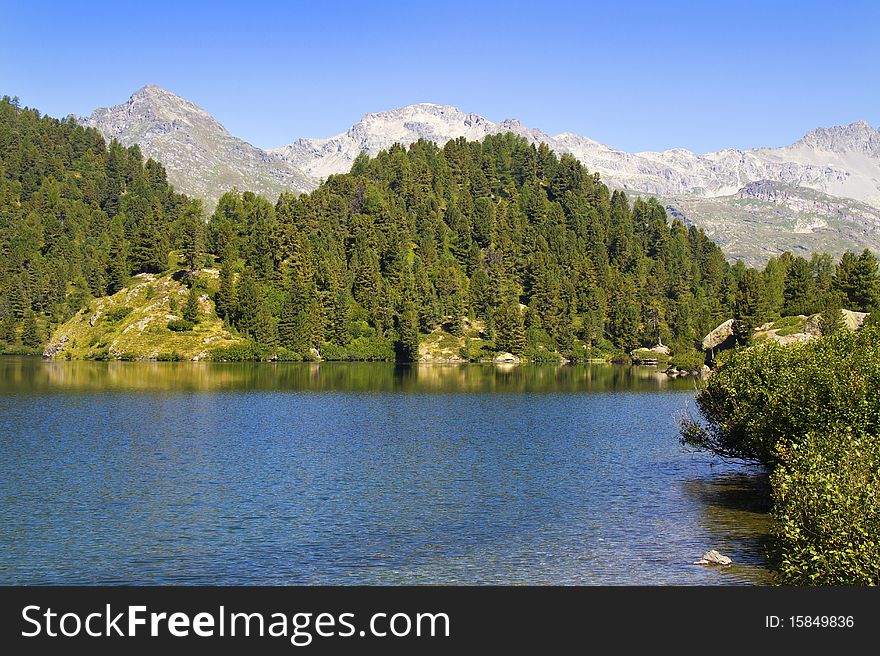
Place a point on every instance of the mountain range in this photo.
(820, 193)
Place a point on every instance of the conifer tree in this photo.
(30, 333)
(248, 301)
(191, 307)
(149, 248)
(224, 299)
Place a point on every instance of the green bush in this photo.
(812, 413)
(168, 357)
(647, 355)
(241, 352)
(360, 349)
(768, 393)
(287, 355)
(688, 360)
(117, 314)
(789, 322)
(180, 325)
(539, 356)
(333, 352)
(827, 505)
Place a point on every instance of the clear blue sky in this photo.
(636, 75)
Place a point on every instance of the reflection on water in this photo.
(20, 374)
(360, 473)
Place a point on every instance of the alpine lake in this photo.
(363, 473)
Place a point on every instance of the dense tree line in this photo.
(77, 218)
(499, 234)
(497, 231)
(502, 232)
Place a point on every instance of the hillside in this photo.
(133, 324)
(764, 219)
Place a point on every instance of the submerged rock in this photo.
(714, 558)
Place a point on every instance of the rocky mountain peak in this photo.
(201, 157)
(858, 137)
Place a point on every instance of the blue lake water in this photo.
(188, 473)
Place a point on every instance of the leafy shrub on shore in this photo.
(812, 413)
(768, 393)
(360, 349)
(688, 360)
(241, 352)
(647, 355)
(827, 505)
(287, 355)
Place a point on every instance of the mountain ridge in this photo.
(675, 171)
(200, 155)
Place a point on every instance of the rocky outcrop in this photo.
(657, 353)
(719, 336)
(55, 346)
(854, 320)
(506, 358)
(798, 329)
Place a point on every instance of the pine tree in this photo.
(191, 307)
(751, 303)
(831, 319)
(407, 346)
(149, 248)
(408, 333)
(510, 333)
(264, 329)
(340, 317)
(799, 295)
(30, 334)
(248, 301)
(117, 266)
(224, 299)
(8, 329)
(193, 236)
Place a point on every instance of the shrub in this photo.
(287, 355)
(827, 506)
(117, 314)
(647, 355)
(768, 393)
(360, 349)
(180, 325)
(688, 360)
(539, 356)
(168, 357)
(333, 352)
(241, 352)
(812, 413)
